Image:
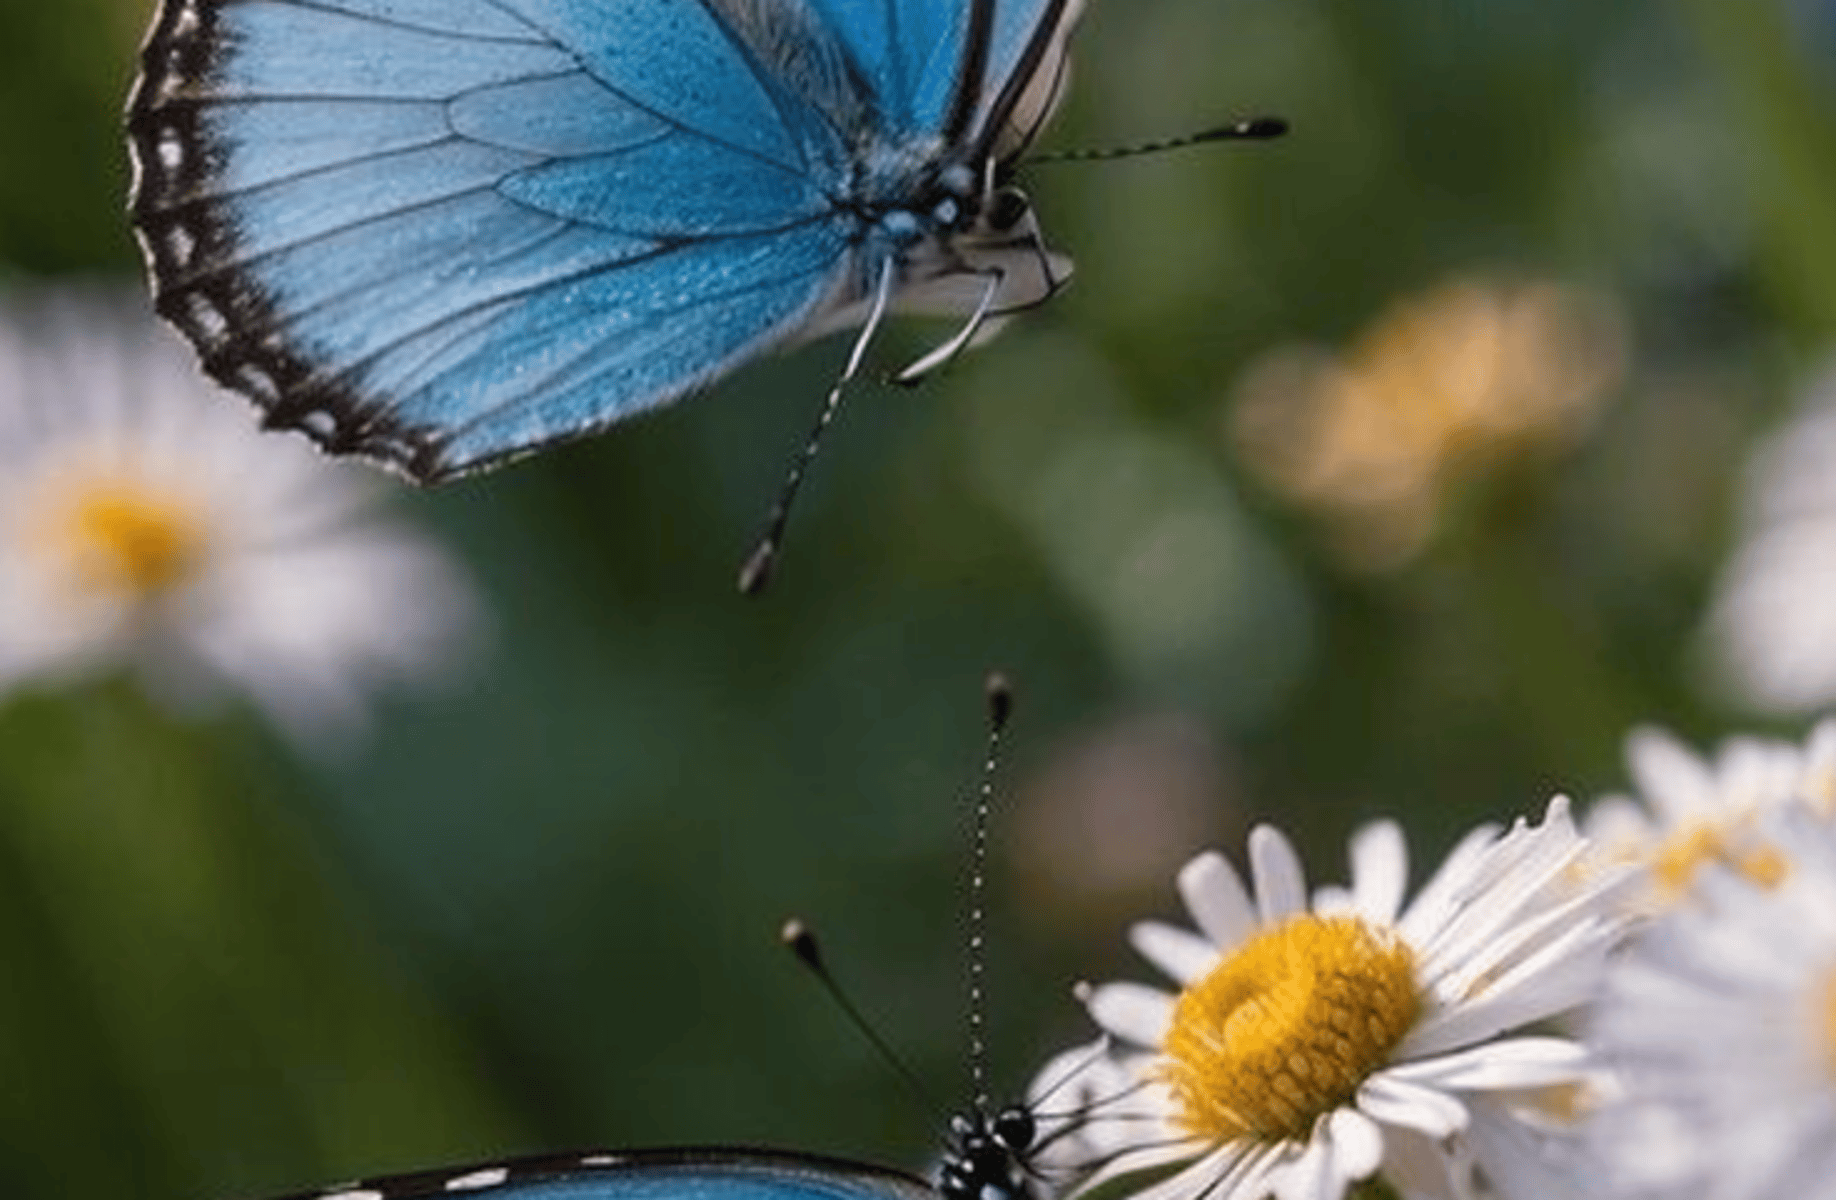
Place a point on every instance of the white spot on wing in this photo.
(600, 1160)
(489, 1177)
(180, 246)
(353, 1193)
(252, 381)
(206, 318)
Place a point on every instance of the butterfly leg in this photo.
(965, 337)
(756, 572)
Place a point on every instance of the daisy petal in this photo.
(1445, 890)
(1512, 875)
(1311, 1175)
(1551, 982)
(1257, 1172)
(1067, 1068)
(1357, 1143)
(1334, 901)
(1154, 1158)
(1522, 1159)
(1526, 1062)
(1193, 1180)
(1669, 774)
(1132, 1011)
(1182, 955)
(1417, 1165)
(1215, 897)
(1619, 823)
(1281, 886)
(1392, 1101)
(1818, 783)
(1380, 870)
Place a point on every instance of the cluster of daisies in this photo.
(148, 526)
(1642, 1006)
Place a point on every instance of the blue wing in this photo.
(945, 68)
(444, 231)
(649, 1175)
(911, 49)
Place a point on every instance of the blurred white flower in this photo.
(1771, 630)
(147, 525)
(1721, 1023)
(1687, 812)
(1315, 1045)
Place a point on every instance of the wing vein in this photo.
(525, 291)
(458, 431)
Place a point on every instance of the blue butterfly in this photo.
(444, 233)
(983, 1170)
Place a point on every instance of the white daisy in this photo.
(1315, 1045)
(1770, 634)
(1689, 811)
(1721, 1020)
(147, 525)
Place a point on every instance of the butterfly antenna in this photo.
(801, 941)
(1258, 129)
(756, 572)
(1000, 709)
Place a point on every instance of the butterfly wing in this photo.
(648, 1175)
(952, 69)
(443, 232)
(1025, 74)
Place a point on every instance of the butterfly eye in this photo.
(1007, 207)
(1015, 1129)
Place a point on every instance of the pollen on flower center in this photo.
(1677, 860)
(126, 539)
(1287, 1026)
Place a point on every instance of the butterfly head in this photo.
(986, 1158)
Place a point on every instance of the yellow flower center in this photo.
(1680, 856)
(125, 538)
(1287, 1027)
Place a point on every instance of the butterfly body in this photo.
(442, 233)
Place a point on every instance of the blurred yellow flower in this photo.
(1445, 385)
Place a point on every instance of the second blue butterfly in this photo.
(442, 233)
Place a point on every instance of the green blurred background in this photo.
(538, 910)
